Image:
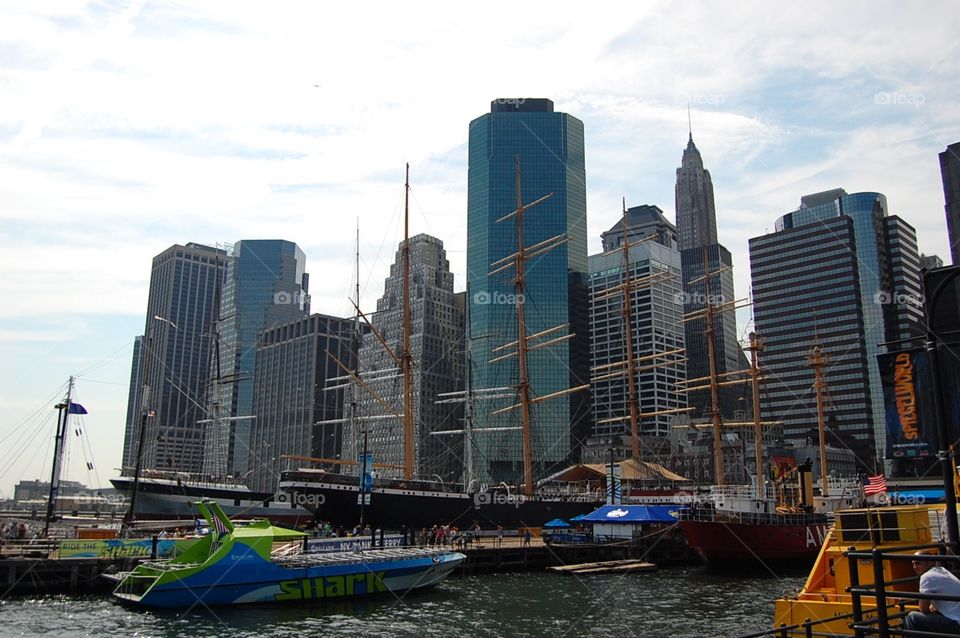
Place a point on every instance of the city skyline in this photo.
(123, 134)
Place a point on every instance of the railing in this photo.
(881, 625)
(28, 548)
(889, 605)
(710, 514)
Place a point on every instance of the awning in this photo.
(634, 514)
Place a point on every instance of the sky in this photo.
(127, 127)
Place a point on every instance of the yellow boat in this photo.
(825, 600)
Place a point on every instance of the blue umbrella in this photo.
(557, 522)
(579, 517)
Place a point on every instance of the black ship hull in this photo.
(173, 499)
(396, 507)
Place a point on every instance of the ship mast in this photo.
(714, 389)
(405, 358)
(756, 347)
(519, 286)
(628, 330)
(58, 442)
(517, 261)
(818, 360)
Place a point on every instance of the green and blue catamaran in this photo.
(260, 563)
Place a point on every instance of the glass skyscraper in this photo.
(550, 148)
(265, 285)
(841, 272)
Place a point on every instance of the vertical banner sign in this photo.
(614, 489)
(908, 404)
(366, 478)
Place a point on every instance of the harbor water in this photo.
(680, 602)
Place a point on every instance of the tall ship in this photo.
(767, 522)
(416, 501)
(164, 496)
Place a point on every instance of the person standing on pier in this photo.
(935, 615)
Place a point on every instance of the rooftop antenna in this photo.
(689, 122)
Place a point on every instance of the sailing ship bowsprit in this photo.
(417, 502)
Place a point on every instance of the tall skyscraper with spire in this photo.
(696, 211)
(701, 252)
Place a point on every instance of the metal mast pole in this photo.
(58, 440)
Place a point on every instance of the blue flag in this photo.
(76, 408)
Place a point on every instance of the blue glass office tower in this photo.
(550, 148)
(841, 272)
(265, 285)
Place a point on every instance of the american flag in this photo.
(875, 485)
(218, 524)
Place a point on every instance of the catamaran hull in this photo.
(165, 499)
(269, 583)
(417, 509)
(721, 543)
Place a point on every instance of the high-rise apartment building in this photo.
(176, 353)
(701, 253)
(842, 273)
(549, 147)
(950, 174)
(266, 285)
(292, 396)
(436, 346)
